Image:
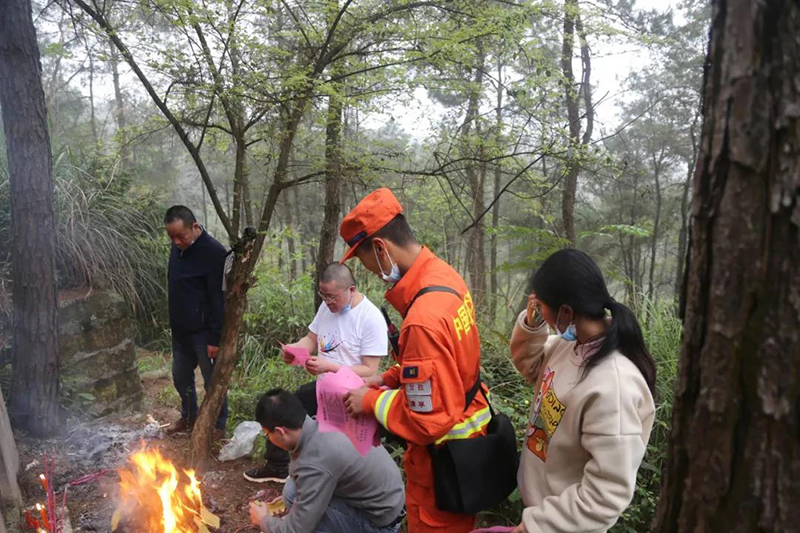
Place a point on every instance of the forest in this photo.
(507, 129)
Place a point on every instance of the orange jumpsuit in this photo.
(440, 350)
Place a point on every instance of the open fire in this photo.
(157, 498)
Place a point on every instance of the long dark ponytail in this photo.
(570, 277)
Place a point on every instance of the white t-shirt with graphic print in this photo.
(346, 337)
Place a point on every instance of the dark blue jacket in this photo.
(195, 288)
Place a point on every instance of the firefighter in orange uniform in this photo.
(439, 358)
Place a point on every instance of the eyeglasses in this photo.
(326, 297)
(331, 297)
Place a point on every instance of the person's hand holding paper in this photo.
(295, 355)
(332, 414)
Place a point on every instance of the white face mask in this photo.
(394, 274)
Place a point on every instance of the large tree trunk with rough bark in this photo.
(734, 461)
(34, 391)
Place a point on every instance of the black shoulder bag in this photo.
(473, 474)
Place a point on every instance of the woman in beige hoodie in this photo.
(593, 407)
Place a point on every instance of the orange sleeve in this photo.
(391, 378)
(430, 398)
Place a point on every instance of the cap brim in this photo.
(349, 253)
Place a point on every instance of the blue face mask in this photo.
(347, 307)
(570, 334)
(394, 274)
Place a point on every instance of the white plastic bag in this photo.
(242, 442)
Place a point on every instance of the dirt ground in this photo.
(104, 445)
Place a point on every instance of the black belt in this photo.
(398, 519)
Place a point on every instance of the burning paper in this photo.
(155, 495)
(332, 414)
(301, 355)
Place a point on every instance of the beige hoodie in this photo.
(585, 439)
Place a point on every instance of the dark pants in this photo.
(307, 394)
(188, 351)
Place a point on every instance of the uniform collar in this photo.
(401, 294)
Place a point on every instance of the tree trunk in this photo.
(571, 98)
(34, 391)
(92, 118)
(657, 166)
(288, 214)
(572, 21)
(476, 174)
(494, 286)
(119, 107)
(683, 234)
(333, 178)
(333, 169)
(238, 180)
(734, 457)
(248, 251)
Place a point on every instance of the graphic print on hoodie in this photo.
(546, 414)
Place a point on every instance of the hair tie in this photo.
(611, 301)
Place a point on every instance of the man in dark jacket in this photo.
(196, 265)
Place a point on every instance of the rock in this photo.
(98, 356)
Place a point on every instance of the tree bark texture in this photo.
(734, 458)
(571, 96)
(247, 252)
(572, 21)
(34, 391)
(476, 176)
(494, 286)
(333, 179)
(658, 165)
(683, 234)
(119, 108)
(288, 215)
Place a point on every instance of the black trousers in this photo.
(307, 394)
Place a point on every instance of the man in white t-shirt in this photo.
(348, 330)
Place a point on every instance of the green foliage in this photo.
(108, 235)
(662, 331)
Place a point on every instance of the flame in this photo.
(157, 495)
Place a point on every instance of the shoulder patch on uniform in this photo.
(410, 372)
(420, 404)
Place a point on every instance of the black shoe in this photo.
(267, 473)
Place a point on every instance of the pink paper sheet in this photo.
(495, 529)
(301, 355)
(332, 414)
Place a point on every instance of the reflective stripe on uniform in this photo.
(382, 406)
(471, 425)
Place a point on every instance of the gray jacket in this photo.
(327, 465)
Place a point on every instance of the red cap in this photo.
(372, 213)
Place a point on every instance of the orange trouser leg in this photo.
(422, 514)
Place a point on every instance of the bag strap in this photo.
(432, 288)
(469, 396)
(471, 393)
(394, 335)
